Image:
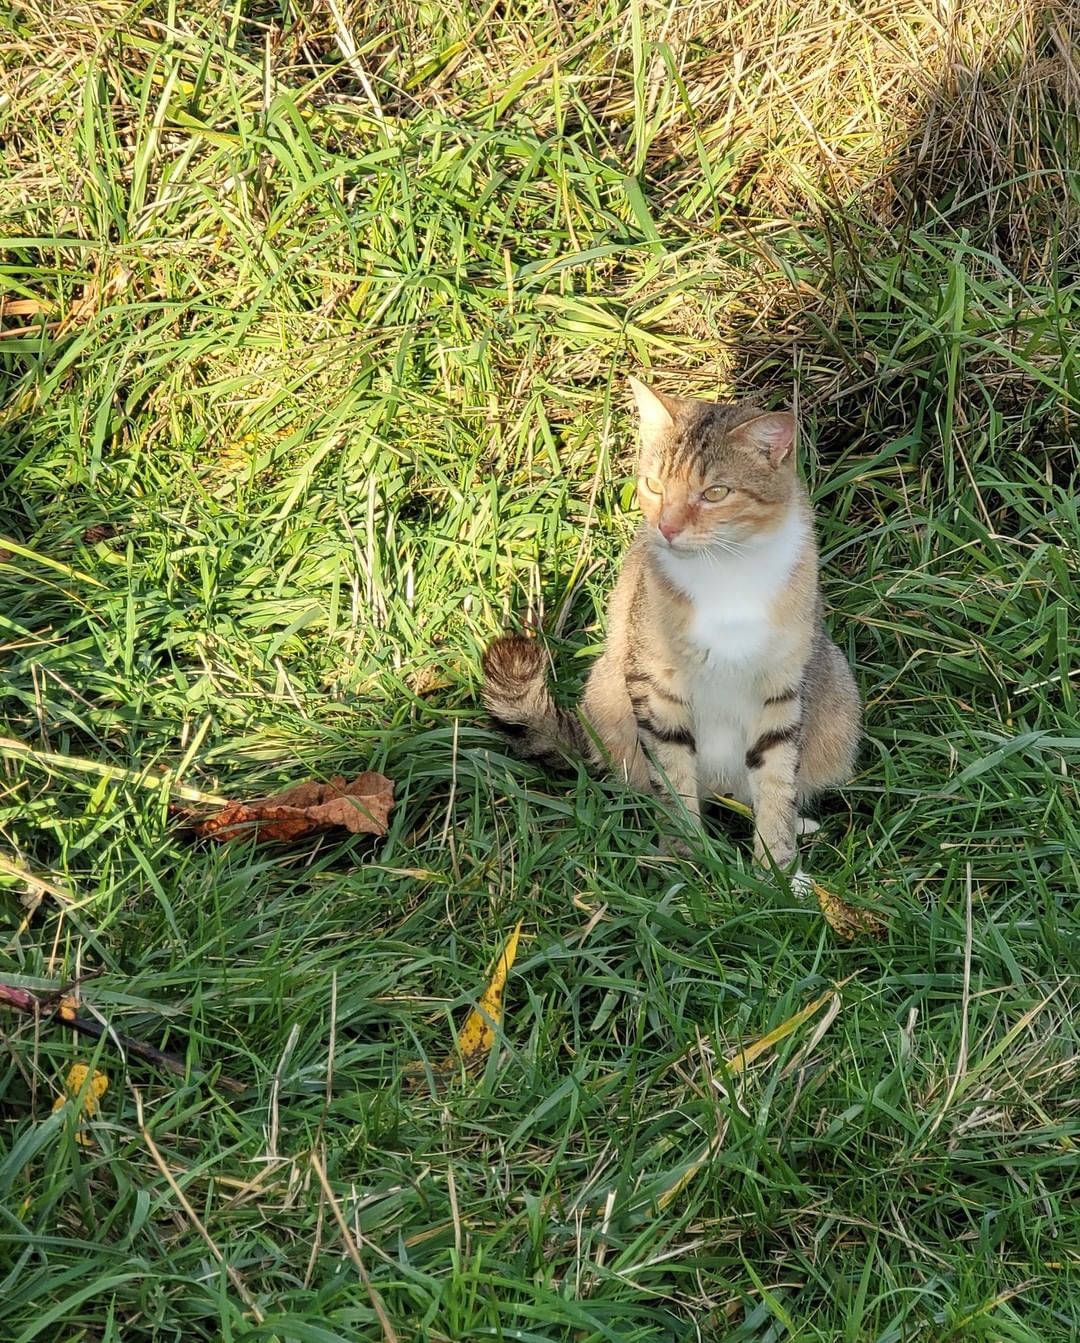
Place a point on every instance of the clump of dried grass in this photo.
(784, 109)
(788, 149)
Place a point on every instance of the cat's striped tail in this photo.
(516, 695)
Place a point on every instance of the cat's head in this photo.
(712, 474)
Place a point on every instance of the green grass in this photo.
(332, 331)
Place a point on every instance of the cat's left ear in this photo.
(772, 434)
(656, 411)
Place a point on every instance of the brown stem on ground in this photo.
(61, 1008)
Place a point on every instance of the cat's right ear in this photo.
(656, 411)
(772, 434)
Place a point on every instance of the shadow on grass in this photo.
(925, 305)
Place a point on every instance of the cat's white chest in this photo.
(730, 625)
(732, 597)
(733, 645)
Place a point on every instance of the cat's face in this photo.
(712, 476)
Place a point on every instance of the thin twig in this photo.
(389, 1333)
(347, 47)
(159, 1161)
(58, 1007)
(275, 1089)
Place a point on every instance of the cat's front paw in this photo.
(782, 855)
(672, 846)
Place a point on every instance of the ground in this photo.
(314, 342)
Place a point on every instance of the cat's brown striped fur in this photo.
(718, 673)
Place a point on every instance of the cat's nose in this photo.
(669, 530)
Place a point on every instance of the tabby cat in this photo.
(718, 674)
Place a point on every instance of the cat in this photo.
(718, 675)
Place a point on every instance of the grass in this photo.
(320, 316)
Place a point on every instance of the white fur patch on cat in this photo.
(732, 592)
(732, 595)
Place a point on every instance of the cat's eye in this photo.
(715, 493)
(652, 485)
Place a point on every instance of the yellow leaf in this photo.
(74, 1086)
(478, 1033)
(707, 1153)
(732, 804)
(739, 1061)
(846, 921)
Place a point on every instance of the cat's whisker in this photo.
(717, 548)
(713, 550)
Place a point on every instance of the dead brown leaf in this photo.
(847, 921)
(96, 295)
(103, 531)
(362, 807)
(426, 680)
